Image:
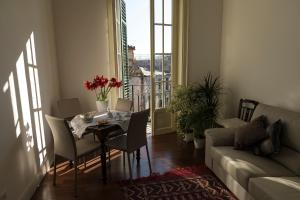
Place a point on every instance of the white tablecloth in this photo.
(120, 118)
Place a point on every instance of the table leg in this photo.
(138, 155)
(103, 161)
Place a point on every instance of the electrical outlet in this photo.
(3, 195)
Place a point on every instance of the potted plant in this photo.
(102, 86)
(181, 106)
(205, 107)
(196, 108)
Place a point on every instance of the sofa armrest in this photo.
(220, 136)
(217, 137)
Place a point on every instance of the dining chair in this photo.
(68, 108)
(123, 105)
(134, 139)
(66, 146)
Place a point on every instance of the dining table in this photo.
(102, 125)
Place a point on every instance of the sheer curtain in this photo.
(180, 41)
(113, 46)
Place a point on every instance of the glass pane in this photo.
(158, 68)
(158, 39)
(158, 11)
(168, 12)
(158, 81)
(168, 39)
(167, 65)
(167, 93)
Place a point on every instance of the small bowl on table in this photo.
(88, 117)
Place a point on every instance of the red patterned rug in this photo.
(178, 184)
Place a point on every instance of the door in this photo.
(161, 65)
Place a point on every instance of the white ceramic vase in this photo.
(102, 106)
(199, 143)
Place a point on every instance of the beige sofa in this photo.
(254, 177)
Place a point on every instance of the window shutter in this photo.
(124, 51)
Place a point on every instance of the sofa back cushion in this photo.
(290, 136)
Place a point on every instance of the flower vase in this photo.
(102, 106)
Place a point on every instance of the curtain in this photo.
(112, 42)
(180, 41)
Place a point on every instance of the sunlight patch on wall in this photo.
(13, 98)
(27, 95)
(36, 98)
(27, 125)
(5, 87)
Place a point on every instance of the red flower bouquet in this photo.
(102, 86)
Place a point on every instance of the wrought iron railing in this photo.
(140, 94)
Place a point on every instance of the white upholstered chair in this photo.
(135, 138)
(123, 105)
(66, 146)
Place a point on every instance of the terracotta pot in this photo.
(102, 106)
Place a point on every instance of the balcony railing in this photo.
(140, 94)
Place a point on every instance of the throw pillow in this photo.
(248, 135)
(270, 145)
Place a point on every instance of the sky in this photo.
(138, 25)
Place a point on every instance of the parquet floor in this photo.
(166, 152)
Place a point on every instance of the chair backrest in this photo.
(136, 134)
(69, 107)
(123, 105)
(64, 142)
(246, 109)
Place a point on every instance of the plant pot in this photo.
(102, 106)
(188, 137)
(199, 143)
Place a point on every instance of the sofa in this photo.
(250, 176)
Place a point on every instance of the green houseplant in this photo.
(197, 107)
(181, 105)
(206, 108)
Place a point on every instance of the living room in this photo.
(251, 46)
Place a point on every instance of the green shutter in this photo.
(124, 50)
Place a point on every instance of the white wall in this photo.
(205, 26)
(82, 46)
(20, 171)
(261, 52)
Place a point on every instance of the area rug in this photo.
(178, 184)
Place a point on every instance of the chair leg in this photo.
(148, 156)
(54, 174)
(123, 158)
(75, 171)
(129, 165)
(108, 157)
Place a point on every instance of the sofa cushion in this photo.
(289, 158)
(270, 145)
(250, 134)
(275, 188)
(291, 123)
(242, 165)
(231, 123)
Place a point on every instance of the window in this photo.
(163, 50)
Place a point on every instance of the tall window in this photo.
(163, 51)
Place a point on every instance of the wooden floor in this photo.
(166, 152)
